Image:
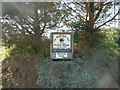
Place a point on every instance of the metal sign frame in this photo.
(68, 51)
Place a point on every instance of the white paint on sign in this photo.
(62, 41)
(61, 55)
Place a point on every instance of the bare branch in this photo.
(107, 3)
(23, 28)
(80, 3)
(43, 28)
(75, 11)
(109, 19)
(99, 11)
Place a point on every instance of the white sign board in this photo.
(61, 46)
(61, 41)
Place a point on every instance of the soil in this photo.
(19, 74)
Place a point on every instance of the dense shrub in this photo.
(106, 39)
(27, 45)
(84, 45)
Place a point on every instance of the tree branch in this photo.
(74, 11)
(100, 9)
(109, 19)
(21, 23)
(107, 3)
(43, 28)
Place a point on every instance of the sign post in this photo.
(62, 46)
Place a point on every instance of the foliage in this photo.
(22, 31)
(27, 47)
(25, 28)
(15, 69)
(4, 51)
(110, 41)
(4, 69)
(106, 39)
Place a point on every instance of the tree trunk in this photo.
(89, 6)
(36, 23)
(91, 18)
